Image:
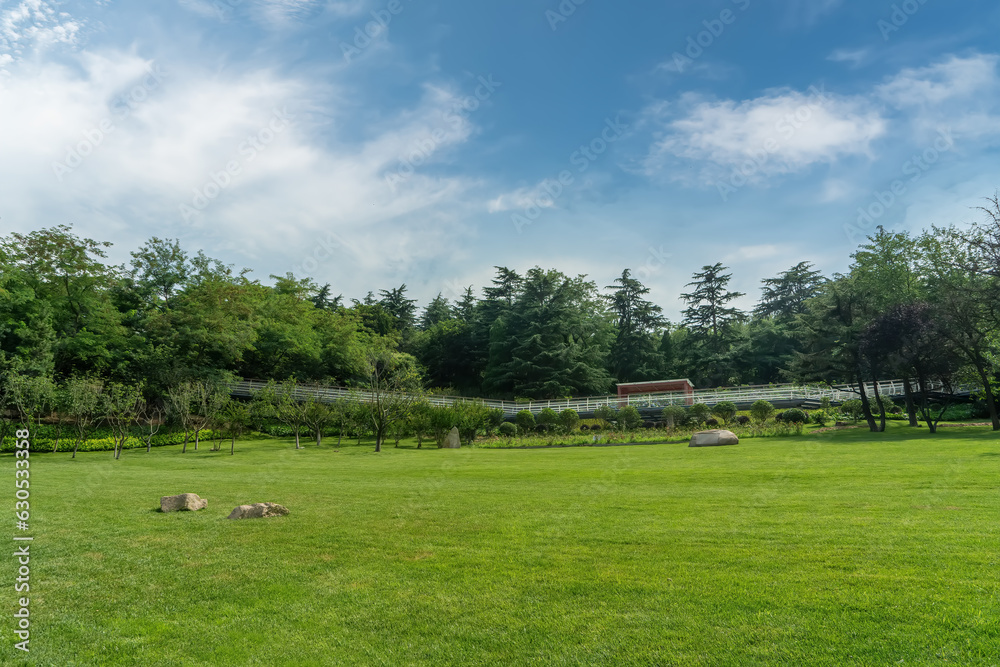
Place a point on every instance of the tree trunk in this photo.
(149, 443)
(319, 437)
(232, 446)
(866, 407)
(991, 400)
(881, 407)
(197, 437)
(297, 439)
(911, 407)
(76, 445)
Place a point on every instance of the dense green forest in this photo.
(921, 307)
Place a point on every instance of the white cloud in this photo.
(783, 132)
(281, 12)
(523, 198)
(952, 79)
(855, 57)
(34, 25)
(285, 200)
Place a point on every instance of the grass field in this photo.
(832, 549)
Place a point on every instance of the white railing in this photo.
(738, 395)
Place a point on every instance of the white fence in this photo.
(738, 395)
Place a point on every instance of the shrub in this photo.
(547, 417)
(725, 411)
(795, 416)
(596, 427)
(853, 409)
(606, 414)
(820, 418)
(761, 411)
(699, 412)
(712, 421)
(742, 420)
(629, 418)
(525, 421)
(508, 430)
(584, 427)
(675, 415)
(568, 419)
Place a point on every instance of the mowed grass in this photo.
(840, 548)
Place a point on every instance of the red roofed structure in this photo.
(657, 386)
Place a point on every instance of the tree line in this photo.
(924, 308)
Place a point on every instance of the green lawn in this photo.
(830, 549)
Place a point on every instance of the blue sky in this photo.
(368, 143)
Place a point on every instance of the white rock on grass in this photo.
(716, 438)
(186, 501)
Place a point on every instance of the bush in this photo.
(547, 417)
(584, 427)
(761, 411)
(795, 416)
(525, 421)
(699, 412)
(742, 420)
(508, 430)
(568, 419)
(675, 415)
(712, 421)
(820, 418)
(853, 409)
(629, 418)
(725, 411)
(606, 414)
(959, 412)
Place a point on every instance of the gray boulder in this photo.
(714, 438)
(452, 440)
(258, 511)
(186, 501)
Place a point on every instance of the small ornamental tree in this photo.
(761, 411)
(548, 418)
(568, 419)
(420, 421)
(235, 418)
(629, 418)
(699, 413)
(725, 411)
(674, 415)
(317, 416)
(795, 416)
(84, 402)
(525, 421)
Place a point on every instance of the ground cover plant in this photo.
(837, 548)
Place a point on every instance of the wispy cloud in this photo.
(791, 129)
